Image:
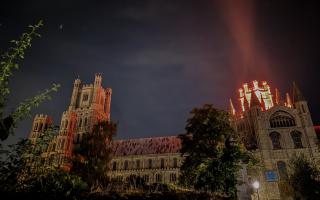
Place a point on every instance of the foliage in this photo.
(304, 179)
(23, 170)
(9, 61)
(24, 108)
(154, 196)
(54, 181)
(212, 152)
(23, 159)
(136, 182)
(92, 158)
(12, 165)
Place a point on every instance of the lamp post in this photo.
(256, 186)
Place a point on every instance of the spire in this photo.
(277, 97)
(254, 100)
(232, 111)
(245, 104)
(288, 100)
(297, 95)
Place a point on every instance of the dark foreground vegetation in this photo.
(116, 196)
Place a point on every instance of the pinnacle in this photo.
(297, 94)
(254, 100)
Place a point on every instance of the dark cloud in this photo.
(162, 58)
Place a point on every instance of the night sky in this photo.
(162, 58)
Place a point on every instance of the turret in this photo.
(97, 88)
(75, 93)
(288, 101)
(232, 111)
(299, 101)
(97, 80)
(297, 94)
(277, 97)
(108, 102)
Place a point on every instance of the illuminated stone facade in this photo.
(156, 160)
(89, 104)
(40, 124)
(274, 130)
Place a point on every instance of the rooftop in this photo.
(143, 146)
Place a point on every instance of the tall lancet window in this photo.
(282, 169)
(275, 139)
(296, 137)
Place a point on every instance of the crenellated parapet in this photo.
(273, 128)
(260, 91)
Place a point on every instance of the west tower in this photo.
(89, 104)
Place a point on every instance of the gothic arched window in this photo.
(158, 178)
(281, 119)
(85, 97)
(85, 121)
(282, 169)
(40, 127)
(80, 122)
(137, 164)
(175, 163)
(150, 163)
(146, 178)
(275, 139)
(296, 137)
(173, 177)
(36, 127)
(126, 165)
(66, 124)
(114, 165)
(162, 163)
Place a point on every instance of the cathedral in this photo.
(272, 128)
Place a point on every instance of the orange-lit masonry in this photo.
(262, 93)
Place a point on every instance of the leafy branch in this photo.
(9, 60)
(24, 109)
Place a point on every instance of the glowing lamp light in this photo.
(256, 184)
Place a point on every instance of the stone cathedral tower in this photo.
(40, 124)
(274, 130)
(90, 103)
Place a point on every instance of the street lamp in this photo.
(256, 186)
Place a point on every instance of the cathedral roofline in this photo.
(144, 138)
(146, 146)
